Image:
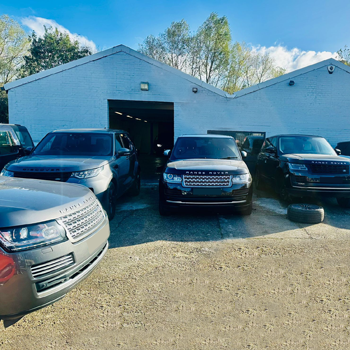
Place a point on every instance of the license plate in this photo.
(207, 191)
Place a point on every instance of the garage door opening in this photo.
(151, 127)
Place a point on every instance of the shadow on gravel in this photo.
(138, 221)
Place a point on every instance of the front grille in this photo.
(83, 221)
(52, 266)
(44, 175)
(329, 168)
(207, 181)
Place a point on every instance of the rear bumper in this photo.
(23, 293)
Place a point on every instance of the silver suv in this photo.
(104, 160)
(52, 236)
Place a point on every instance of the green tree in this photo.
(344, 55)
(14, 44)
(209, 54)
(51, 50)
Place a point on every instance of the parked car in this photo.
(252, 146)
(205, 171)
(301, 166)
(344, 148)
(15, 142)
(52, 236)
(103, 160)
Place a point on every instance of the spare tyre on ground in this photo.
(305, 213)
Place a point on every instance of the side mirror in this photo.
(270, 150)
(28, 151)
(338, 151)
(167, 152)
(244, 154)
(123, 152)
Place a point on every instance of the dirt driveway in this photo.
(205, 281)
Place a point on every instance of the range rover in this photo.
(302, 166)
(205, 171)
(52, 236)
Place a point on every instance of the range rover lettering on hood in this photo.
(76, 206)
(207, 172)
(333, 163)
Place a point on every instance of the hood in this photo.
(28, 201)
(307, 158)
(58, 163)
(227, 165)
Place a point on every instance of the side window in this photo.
(246, 144)
(131, 145)
(118, 143)
(274, 142)
(6, 143)
(127, 142)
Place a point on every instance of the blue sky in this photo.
(295, 32)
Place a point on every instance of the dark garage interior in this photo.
(151, 127)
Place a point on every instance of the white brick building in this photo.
(104, 90)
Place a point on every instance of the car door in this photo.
(130, 158)
(9, 151)
(272, 161)
(120, 165)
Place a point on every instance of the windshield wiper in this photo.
(229, 158)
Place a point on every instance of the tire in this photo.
(111, 201)
(344, 202)
(248, 210)
(259, 182)
(164, 209)
(136, 186)
(305, 213)
(282, 190)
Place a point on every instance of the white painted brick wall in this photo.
(318, 103)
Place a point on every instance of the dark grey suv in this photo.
(103, 160)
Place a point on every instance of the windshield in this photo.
(305, 145)
(205, 148)
(75, 144)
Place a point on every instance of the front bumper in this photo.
(176, 195)
(24, 293)
(322, 188)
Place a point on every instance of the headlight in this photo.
(5, 172)
(159, 145)
(241, 179)
(295, 166)
(31, 236)
(87, 173)
(172, 178)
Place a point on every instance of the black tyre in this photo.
(111, 201)
(164, 209)
(282, 190)
(305, 213)
(136, 186)
(259, 182)
(248, 210)
(344, 202)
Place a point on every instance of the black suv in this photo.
(205, 171)
(302, 166)
(103, 160)
(15, 142)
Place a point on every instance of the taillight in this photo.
(7, 268)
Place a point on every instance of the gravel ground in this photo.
(205, 281)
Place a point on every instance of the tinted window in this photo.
(205, 148)
(23, 136)
(6, 143)
(305, 145)
(76, 144)
(118, 143)
(127, 142)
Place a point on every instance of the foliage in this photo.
(210, 55)
(14, 44)
(344, 55)
(51, 50)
